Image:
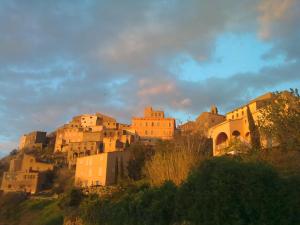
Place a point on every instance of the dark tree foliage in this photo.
(127, 144)
(48, 178)
(254, 131)
(146, 206)
(13, 152)
(139, 155)
(8, 203)
(222, 191)
(94, 210)
(70, 201)
(226, 191)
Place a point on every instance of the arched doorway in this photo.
(236, 134)
(221, 141)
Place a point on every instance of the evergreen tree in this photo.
(254, 132)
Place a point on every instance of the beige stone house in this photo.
(33, 140)
(101, 169)
(25, 174)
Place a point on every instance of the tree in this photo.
(70, 202)
(13, 152)
(173, 160)
(138, 156)
(227, 191)
(254, 131)
(280, 119)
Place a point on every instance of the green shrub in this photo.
(226, 191)
(94, 210)
(70, 201)
(139, 154)
(222, 191)
(9, 202)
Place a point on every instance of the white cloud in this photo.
(66, 54)
(272, 11)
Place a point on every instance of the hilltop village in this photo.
(95, 146)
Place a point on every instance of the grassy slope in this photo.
(34, 212)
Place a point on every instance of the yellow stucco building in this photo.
(236, 126)
(154, 125)
(101, 169)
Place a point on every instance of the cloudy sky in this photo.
(60, 58)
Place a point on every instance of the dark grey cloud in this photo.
(60, 58)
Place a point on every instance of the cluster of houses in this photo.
(96, 145)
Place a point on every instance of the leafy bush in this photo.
(63, 180)
(70, 202)
(221, 191)
(94, 210)
(8, 203)
(227, 191)
(143, 206)
(139, 155)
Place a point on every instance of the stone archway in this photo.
(236, 133)
(221, 141)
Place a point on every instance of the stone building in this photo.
(154, 125)
(111, 144)
(83, 128)
(203, 123)
(101, 169)
(33, 140)
(236, 126)
(90, 134)
(112, 140)
(25, 174)
(80, 149)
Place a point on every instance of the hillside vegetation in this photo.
(257, 188)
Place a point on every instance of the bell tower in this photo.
(214, 109)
